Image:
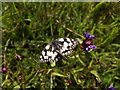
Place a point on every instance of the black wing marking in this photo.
(58, 49)
(49, 54)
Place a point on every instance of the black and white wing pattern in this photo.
(58, 49)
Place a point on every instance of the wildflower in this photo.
(92, 37)
(69, 81)
(87, 43)
(39, 71)
(87, 49)
(21, 78)
(88, 36)
(4, 69)
(92, 46)
(18, 57)
(111, 88)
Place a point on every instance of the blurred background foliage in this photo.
(27, 27)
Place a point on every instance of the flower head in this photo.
(88, 36)
(39, 70)
(111, 87)
(18, 57)
(92, 46)
(92, 37)
(69, 81)
(4, 69)
(87, 43)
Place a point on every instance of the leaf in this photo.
(90, 64)
(18, 86)
(49, 70)
(7, 15)
(79, 40)
(117, 77)
(29, 77)
(58, 74)
(77, 56)
(5, 81)
(111, 37)
(95, 73)
(52, 64)
(78, 70)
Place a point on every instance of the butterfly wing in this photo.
(49, 54)
(67, 45)
(58, 49)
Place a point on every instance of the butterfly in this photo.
(58, 49)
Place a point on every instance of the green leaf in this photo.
(111, 37)
(78, 70)
(29, 77)
(80, 40)
(18, 86)
(58, 74)
(5, 81)
(49, 70)
(52, 64)
(95, 73)
(90, 64)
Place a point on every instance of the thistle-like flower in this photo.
(87, 43)
(4, 69)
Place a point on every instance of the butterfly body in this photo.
(58, 49)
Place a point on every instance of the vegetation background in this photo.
(27, 27)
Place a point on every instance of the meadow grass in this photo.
(28, 27)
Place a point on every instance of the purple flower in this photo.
(4, 69)
(111, 87)
(87, 49)
(92, 37)
(69, 81)
(87, 43)
(92, 46)
(88, 36)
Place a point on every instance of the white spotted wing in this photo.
(58, 49)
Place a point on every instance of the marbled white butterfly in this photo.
(58, 49)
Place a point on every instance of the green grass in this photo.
(28, 27)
